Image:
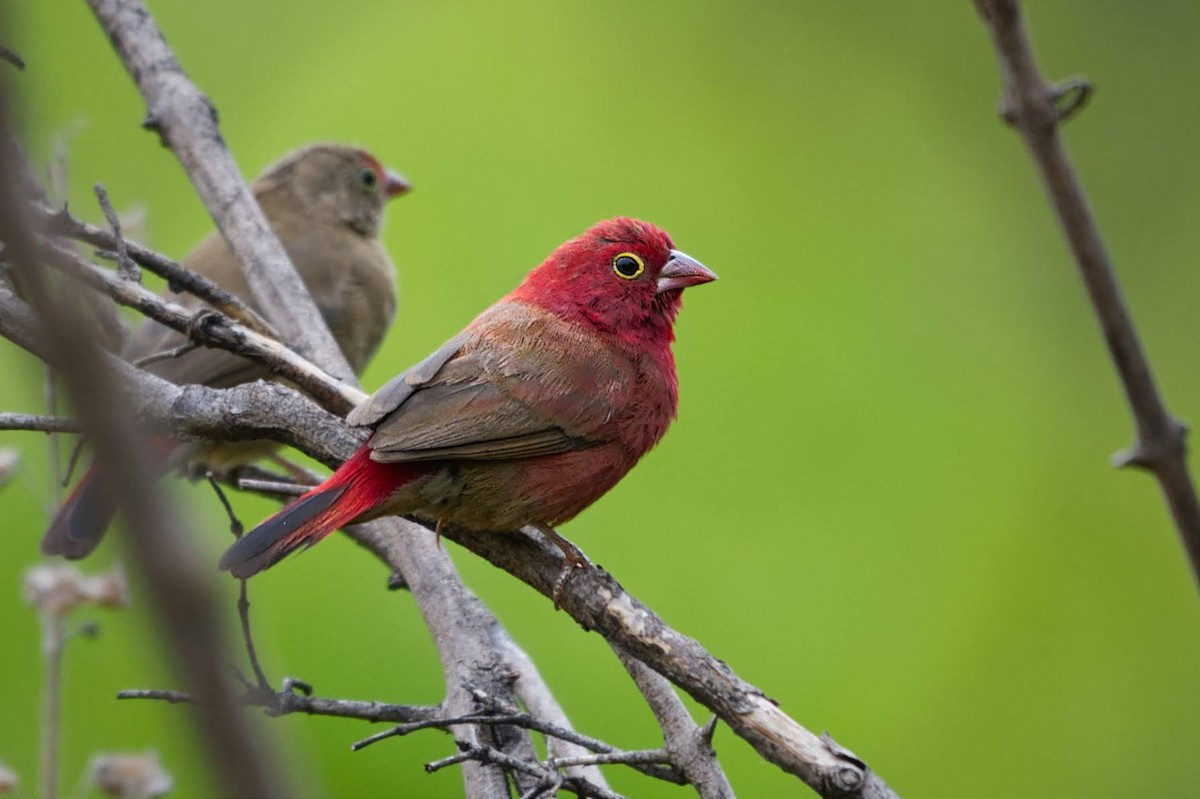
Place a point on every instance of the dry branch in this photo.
(209, 328)
(31, 421)
(1035, 109)
(62, 223)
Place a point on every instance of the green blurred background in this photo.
(887, 500)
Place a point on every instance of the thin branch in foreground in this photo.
(40, 423)
(179, 592)
(1035, 110)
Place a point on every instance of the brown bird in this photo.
(325, 203)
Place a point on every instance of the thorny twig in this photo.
(1035, 110)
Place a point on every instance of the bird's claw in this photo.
(569, 567)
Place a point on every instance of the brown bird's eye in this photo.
(628, 265)
(368, 178)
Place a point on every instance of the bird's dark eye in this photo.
(628, 265)
(367, 178)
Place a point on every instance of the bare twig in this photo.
(166, 355)
(178, 277)
(272, 488)
(126, 268)
(660, 765)
(210, 328)
(537, 698)
(286, 701)
(243, 605)
(1035, 109)
(45, 424)
(548, 777)
(689, 746)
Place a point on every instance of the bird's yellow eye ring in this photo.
(367, 178)
(628, 266)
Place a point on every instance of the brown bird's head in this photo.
(333, 183)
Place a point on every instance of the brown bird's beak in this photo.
(395, 184)
(683, 271)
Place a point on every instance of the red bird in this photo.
(526, 417)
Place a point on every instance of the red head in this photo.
(622, 277)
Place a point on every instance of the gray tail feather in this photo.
(303, 522)
(80, 523)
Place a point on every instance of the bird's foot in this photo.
(573, 558)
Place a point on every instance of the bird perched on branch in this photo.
(527, 416)
(325, 203)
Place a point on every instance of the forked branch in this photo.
(1035, 110)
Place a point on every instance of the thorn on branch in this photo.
(152, 123)
(1070, 96)
(166, 355)
(272, 487)
(1149, 455)
(170, 697)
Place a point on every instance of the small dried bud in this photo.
(8, 780)
(130, 776)
(58, 589)
(10, 459)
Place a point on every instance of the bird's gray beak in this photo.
(395, 184)
(683, 271)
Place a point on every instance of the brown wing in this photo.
(518, 383)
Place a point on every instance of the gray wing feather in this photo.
(473, 421)
(393, 393)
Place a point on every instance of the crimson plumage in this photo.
(532, 413)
